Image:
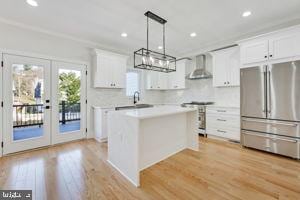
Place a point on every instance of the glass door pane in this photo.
(28, 94)
(69, 100)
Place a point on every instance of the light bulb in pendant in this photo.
(160, 62)
(151, 59)
(144, 60)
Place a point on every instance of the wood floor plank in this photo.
(220, 170)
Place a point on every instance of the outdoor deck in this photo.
(23, 133)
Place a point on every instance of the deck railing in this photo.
(33, 115)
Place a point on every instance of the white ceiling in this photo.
(103, 21)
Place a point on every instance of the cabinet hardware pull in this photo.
(271, 55)
(222, 120)
(221, 131)
(266, 56)
(221, 110)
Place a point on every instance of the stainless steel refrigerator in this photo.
(270, 108)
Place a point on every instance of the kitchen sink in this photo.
(137, 106)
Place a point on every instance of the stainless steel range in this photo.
(201, 106)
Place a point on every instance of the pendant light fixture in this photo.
(152, 60)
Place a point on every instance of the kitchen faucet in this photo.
(136, 98)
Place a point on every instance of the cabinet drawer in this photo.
(223, 111)
(272, 126)
(271, 143)
(223, 120)
(233, 134)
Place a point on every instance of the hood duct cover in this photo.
(200, 71)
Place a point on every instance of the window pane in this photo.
(132, 83)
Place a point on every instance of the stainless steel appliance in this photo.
(270, 108)
(201, 106)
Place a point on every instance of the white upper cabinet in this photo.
(177, 79)
(167, 81)
(226, 67)
(272, 46)
(157, 80)
(254, 52)
(109, 70)
(283, 46)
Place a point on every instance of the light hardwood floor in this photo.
(220, 170)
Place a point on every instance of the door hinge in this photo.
(2, 63)
(2, 144)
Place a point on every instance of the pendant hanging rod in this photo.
(164, 39)
(147, 33)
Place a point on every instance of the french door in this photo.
(44, 102)
(26, 92)
(68, 102)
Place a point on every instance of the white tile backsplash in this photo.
(202, 90)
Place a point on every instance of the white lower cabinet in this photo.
(223, 122)
(100, 123)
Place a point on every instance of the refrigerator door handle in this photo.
(269, 105)
(265, 89)
(268, 122)
(271, 138)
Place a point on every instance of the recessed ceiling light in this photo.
(32, 3)
(193, 34)
(247, 13)
(124, 34)
(160, 47)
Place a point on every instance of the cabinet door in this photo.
(283, 46)
(233, 69)
(177, 79)
(103, 74)
(256, 51)
(162, 83)
(152, 80)
(119, 72)
(220, 60)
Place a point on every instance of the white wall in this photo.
(44, 45)
(202, 90)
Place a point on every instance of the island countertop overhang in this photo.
(153, 112)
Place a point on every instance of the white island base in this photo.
(140, 138)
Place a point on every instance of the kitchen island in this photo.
(140, 138)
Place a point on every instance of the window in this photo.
(132, 82)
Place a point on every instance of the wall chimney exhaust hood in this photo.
(200, 72)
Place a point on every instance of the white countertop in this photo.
(155, 111)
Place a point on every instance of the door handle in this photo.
(269, 93)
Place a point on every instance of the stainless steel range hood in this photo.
(200, 72)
